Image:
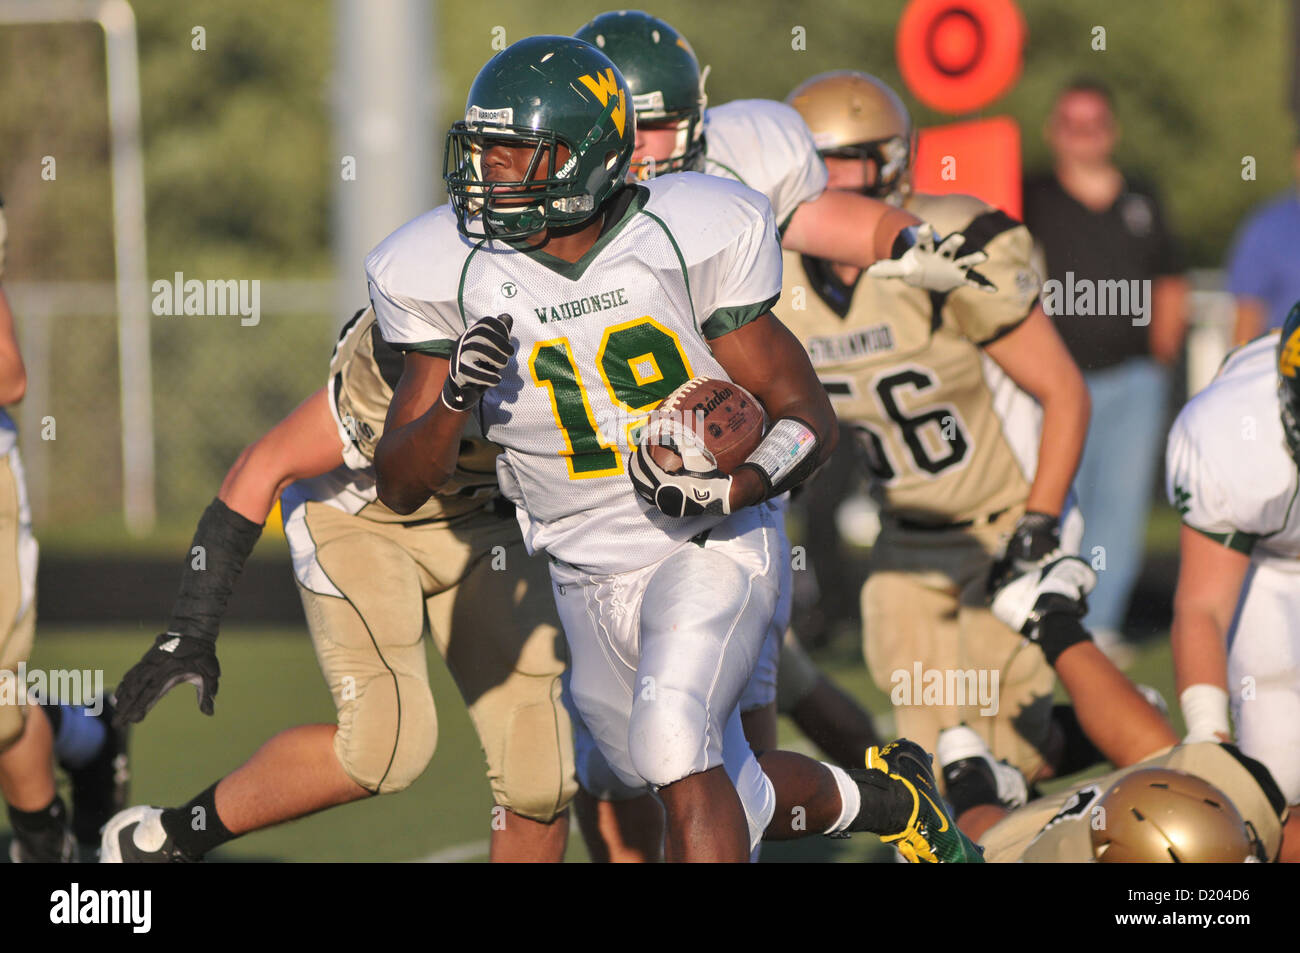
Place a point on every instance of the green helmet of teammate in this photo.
(1288, 388)
(568, 101)
(665, 78)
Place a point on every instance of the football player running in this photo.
(34, 735)
(369, 578)
(1195, 802)
(972, 415)
(1233, 472)
(764, 145)
(559, 305)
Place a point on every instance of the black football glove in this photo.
(477, 360)
(691, 491)
(171, 660)
(1036, 539)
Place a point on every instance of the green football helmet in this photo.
(1288, 370)
(665, 78)
(546, 92)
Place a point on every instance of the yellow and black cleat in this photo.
(931, 835)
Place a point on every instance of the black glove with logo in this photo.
(479, 357)
(1034, 542)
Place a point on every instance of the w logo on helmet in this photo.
(1288, 361)
(603, 86)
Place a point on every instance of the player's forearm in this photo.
(847, 228)
(892, 221)
(748, 488)
(1066, 412)
(413, 461)
(1200, 648)
(1123, 725)
(304, 444)
(252, 486)
(221, 546)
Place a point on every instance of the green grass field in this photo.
(270, 681)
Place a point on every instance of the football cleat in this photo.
(99, 789)
(931, 835)
(136, 836)
(962, 753)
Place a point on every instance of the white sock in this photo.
(850, 798)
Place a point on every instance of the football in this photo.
(721, 418)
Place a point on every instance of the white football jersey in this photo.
(765, 145)
(598, 344)
(1230, 473)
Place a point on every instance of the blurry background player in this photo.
(1097, 224)
(1233, 470)
(1263, 272)
(368, 579)
(1196, 802)
(941, 390)
(33, 736)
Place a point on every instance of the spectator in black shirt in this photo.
(1115, 293)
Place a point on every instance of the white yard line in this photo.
(457, 854)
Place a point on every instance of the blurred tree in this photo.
(238, 164)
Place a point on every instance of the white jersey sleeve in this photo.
(413, 276)
(1228, 472)
(727, 236)
(1197, 491)
(765, 145)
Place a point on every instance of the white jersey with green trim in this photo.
(765, 145)
(1230, 473)
(598, 344)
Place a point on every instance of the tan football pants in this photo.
(924, 603)
(17, 587)
(491, 614)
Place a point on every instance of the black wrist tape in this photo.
(1079, 753)
(904, 240)
(786, 456)
(1058, 631)
(216, 557)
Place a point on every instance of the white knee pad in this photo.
(595, 775)
(671, 735)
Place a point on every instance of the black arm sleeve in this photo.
(217, 554)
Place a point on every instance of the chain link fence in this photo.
(218, 384)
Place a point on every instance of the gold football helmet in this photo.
(856, 116)
(1159, 815)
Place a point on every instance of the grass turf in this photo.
(270, 681)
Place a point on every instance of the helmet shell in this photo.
(546, 92)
